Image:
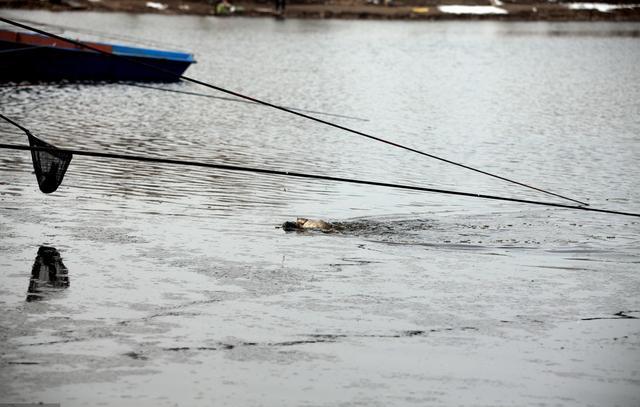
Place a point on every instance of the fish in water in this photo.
(308, 224)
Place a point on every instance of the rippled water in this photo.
(184, 291)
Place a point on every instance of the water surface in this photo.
(181, 290)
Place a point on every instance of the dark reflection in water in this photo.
(48, 274)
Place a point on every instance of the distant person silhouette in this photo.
(280, 6)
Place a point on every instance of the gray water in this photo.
(183, 291)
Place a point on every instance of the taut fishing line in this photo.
(284, 109)
(57, 152)
(184, 92)
(101, 34)
(181, 92)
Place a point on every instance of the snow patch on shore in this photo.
(601, 7)
(472, 10)
(157, 6)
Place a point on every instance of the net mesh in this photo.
(50, 166)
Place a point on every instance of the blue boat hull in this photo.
(53, 64)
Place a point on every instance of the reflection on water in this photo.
(49, 274)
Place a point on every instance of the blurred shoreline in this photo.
(359, 9)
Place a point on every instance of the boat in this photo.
(34, 57)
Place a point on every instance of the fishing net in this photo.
(50, 166)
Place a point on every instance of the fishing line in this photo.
(184, 92)
(238, 168)
(68, 153)
(110, 36)
(171, 75)
(8, 51)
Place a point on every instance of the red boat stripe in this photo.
(38, 40)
